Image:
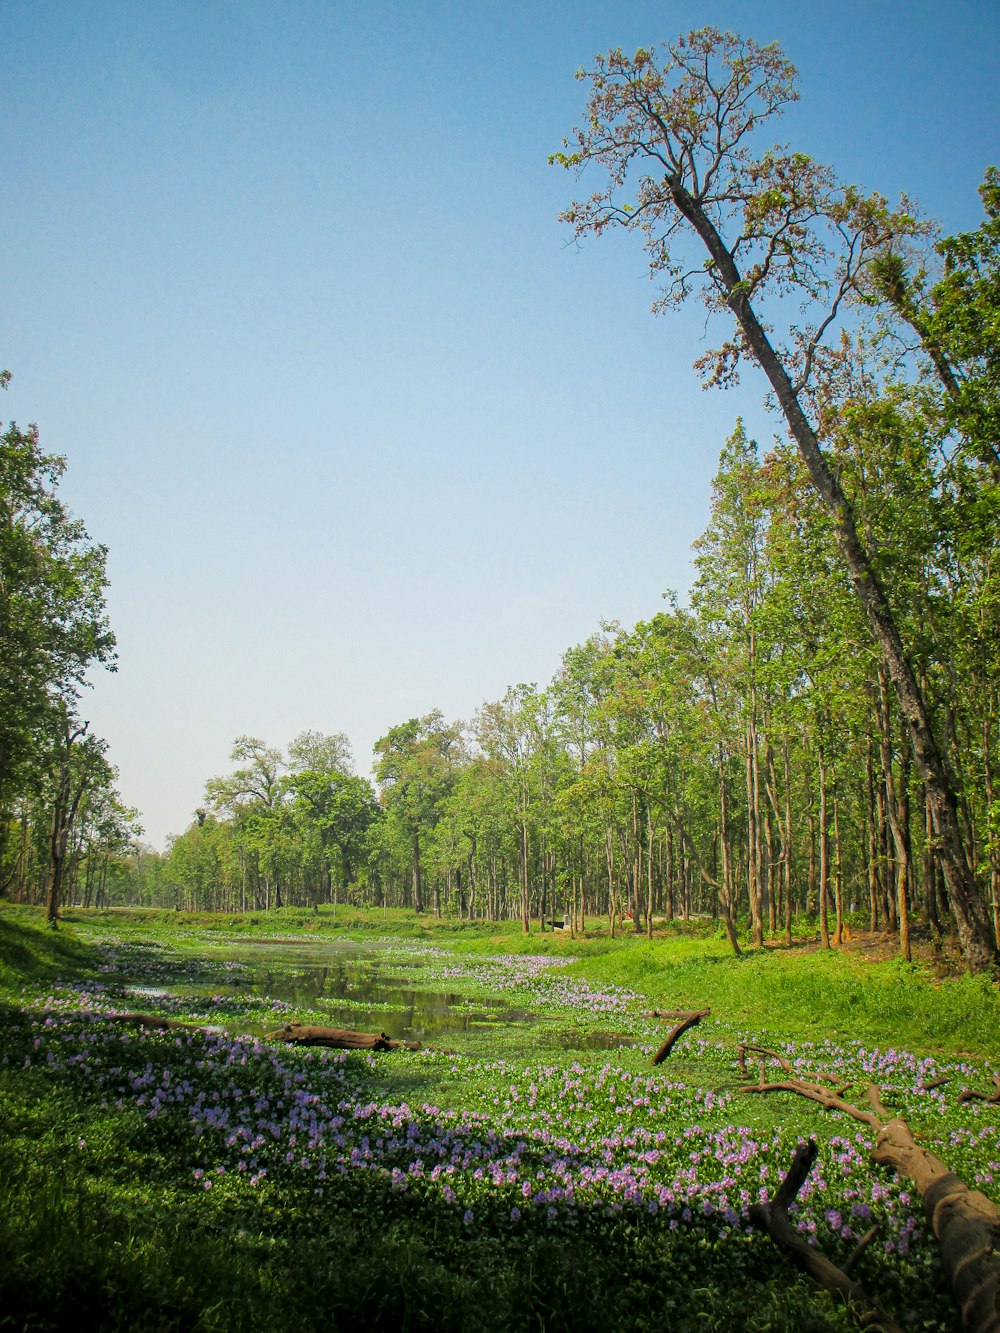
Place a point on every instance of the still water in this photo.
(373, 988)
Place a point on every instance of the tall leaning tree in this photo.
(758, 233)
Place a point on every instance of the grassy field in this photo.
(209, 1179)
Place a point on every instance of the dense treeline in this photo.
(741, 755)
(781, 744)
(744, 755)
(63, 827)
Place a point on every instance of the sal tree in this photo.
(756, 234)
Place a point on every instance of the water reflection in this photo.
(355, 986)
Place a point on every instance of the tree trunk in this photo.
(418, 902)
(871, 828)
(838, 873)
(525, 904)
(649, 875)
(824, 852)
(965, 1222)
(900, 841)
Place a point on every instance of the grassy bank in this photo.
(197, 1180)
(801, 992)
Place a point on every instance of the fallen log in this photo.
(965, 1222)
(772, 1217)
(341, 1039)
(688, 1020)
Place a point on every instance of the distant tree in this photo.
(338, 809)
(79, 765)
(253, 796)
(320, 752)
(957, 322)
(415, 768)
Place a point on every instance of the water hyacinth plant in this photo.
(514, 1150)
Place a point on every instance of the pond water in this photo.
(378, 987)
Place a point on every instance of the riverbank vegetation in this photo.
(527, 1169)
(742, 755)
(771, 810)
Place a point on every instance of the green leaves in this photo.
(53, 617)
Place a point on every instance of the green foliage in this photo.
(53, 622)
(33, 956)
(100, 1221)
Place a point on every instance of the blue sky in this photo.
(364, 436)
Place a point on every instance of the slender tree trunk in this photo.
(871, 827)
(900, 841)
(754, 867)
(824, 852)
(812, 888)
(838, 873)
(929, 872)
(525, 902)
(649, 875)
(772, 890)
(787, 852)
(636, 865)
(418, 902)
(609, 853)
(473, 877)
(725, 892)
(668, 875)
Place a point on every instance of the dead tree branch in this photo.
(970, 1094)
(773, 1218)
(688, 1021)
(965, 1222)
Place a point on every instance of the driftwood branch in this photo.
(970, 1094)
(765, 1053)
(341, 1039)
(689, 1019)
(773, 1218)
(815, 1092)
(965, 1222)
(746, 1048)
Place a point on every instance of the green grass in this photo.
(32, 955)
(815, 994)
(98, 1234)
(793, 993)
(101, 1229)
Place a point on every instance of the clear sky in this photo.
(285, 284)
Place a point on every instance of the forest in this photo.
(755, 835)
(811, 732)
